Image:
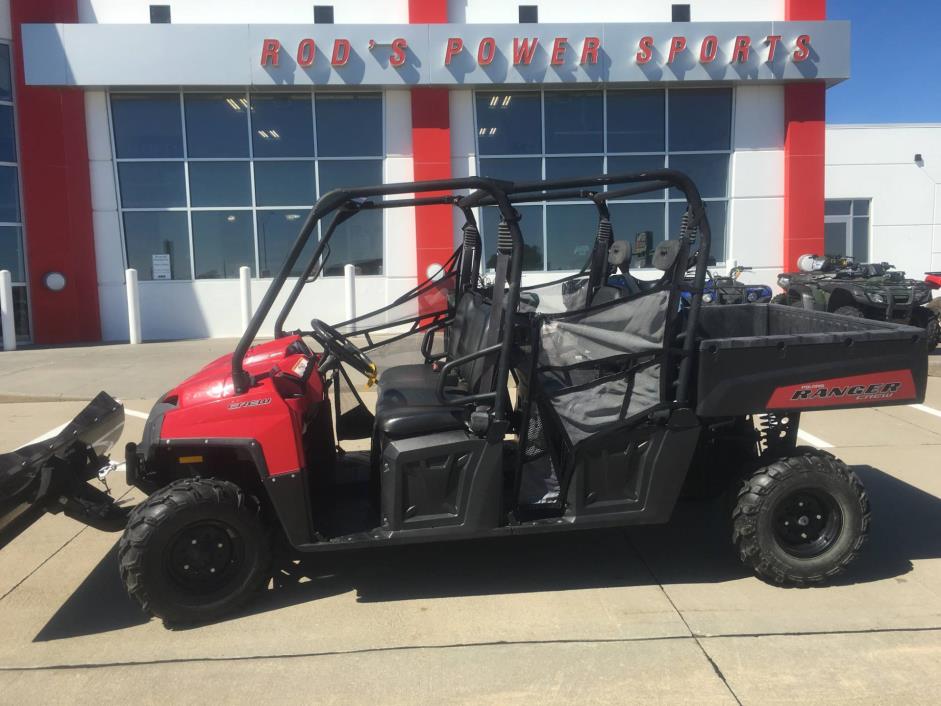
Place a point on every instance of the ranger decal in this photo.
(836, 392)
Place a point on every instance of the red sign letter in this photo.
(269, 52)
(646, 50)
(399, 46)
(590, 50)
(341, 52)
(558, 51)
(523, 52)
(741, 50)
(773, 40)
(486, 51)
(709, 49)
(677, 46)
(455, 47)
(306, 51)
(803, 48)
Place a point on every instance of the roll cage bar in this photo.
(345, 203)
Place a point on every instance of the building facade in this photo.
(189, 139)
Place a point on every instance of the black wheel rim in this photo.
(807, 522)
(205, 557)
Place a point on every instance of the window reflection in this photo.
(220, 184)
(7, 134)
(284, 184)
(509, 122)
(633, 219)
(216, 124)
(152, 184)
(149, 236)
(570, 233)
(11, 252)
(636, 121)
(9, 195)
(277, 231)
(147, 125)
(222, 243)
(6, 79)
(282, 125)
(349, 124)
(358, 242)
(336, 174)
(700, 119)
(710, 173)
(574, 121)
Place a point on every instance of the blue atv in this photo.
(728, 290)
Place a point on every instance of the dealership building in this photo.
(188, 139)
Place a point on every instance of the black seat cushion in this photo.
(401, 422)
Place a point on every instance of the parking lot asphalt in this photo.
(660, 614)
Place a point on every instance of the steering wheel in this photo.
(339, 346)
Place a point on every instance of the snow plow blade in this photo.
(52, 475)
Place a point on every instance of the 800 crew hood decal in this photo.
(250, 403)
(836, 392)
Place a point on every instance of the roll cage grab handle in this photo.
(486, 192)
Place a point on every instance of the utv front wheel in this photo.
(194, 551)
(801, 520)
(928, 320)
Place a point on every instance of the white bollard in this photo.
(349, 282)
(133, 306)
(245, 293)
(6, 310)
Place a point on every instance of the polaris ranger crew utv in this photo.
(575, 404)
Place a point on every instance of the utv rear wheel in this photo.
(801, 520)
(194, 551)
(850, 311)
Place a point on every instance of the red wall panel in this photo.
(804, 146)
(53, 157)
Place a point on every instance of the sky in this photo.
(895, 57)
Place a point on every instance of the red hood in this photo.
(214, 381)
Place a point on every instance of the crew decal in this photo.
(257, 402)
(838, 392)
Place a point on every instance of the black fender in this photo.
(805, 295)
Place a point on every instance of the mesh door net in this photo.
(592, 369)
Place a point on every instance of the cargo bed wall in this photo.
(759, 357)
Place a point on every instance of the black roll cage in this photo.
(345, 203)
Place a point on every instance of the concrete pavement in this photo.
(654, 614)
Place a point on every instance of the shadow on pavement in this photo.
(693, 548)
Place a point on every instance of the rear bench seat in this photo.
(408, 404)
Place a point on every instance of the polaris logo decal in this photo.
(260, 402)
(837, 392)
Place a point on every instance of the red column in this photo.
(53, 158)
(804, 142)
(431, 150)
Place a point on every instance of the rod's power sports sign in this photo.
(433, 54)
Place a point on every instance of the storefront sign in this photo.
(437, 54)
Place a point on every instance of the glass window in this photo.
(9, 195)
(574, 122)
(335, 174)
(861, 207)
(716, 211)
(284, 184)
(527, 169)
(6, 76)
(509, 123)
(637, 163)
(636, 121)
(7, 134)
(277, 231)
(861, 238)
(631, 219)
(357, 242)
(152, 184)
(700, 119)
(834, 238)
(157, 233)
(834, 207)
(570, 234)
(11, 252)
(147, 125)
(710, 173)
(222, 243)
(216, 124)
(282, 125)
(531, 226)
(220, 184)
(349, 124)
(573, 167)
(20, 312)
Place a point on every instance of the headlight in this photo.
(876, 297)
(707, 297)
(783, 281)
(752, 296)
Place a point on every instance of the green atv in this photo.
(870, 290)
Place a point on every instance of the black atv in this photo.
(868, 290)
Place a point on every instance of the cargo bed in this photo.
(756, 358)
